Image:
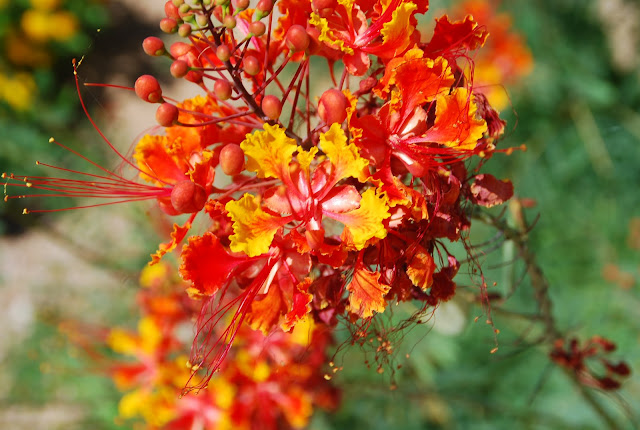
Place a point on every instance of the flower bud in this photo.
(222, 89)
(297, 38)
(223, 53)
(257, 28)
(242, 4)
(168, 25)
(332, 107)
(251, 65)
(171, 10)
(202, 20)
(167, 114)
(232, 159)
(271, 107)
(188, 197)
(153, 46)
(184, 30)
(148, 89)
(179, 49)
(179, 69)
(229, 21)
(263, 9)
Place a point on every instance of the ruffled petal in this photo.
(253, 228)
(457, 124)
(207, 264)
(420, 268)
(344, 157)
(155, 163)
(269, 151)
(177, 235)
(300, 306)
(364, 223)
(366, 293)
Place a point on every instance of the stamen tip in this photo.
(25, 211)
(4, 175)
(37, 163)
(51, 139)
(29, 184)
(6, 198)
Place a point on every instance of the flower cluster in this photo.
(268, 382)
(320, 204)
(579, 360)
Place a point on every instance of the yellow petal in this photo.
(365, 223)
(399, 29)
(344, 157)
(268, 152)
(326, 34)
(253, 228)
(366, 293)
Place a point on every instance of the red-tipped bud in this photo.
(184, 30)
(223, 53)
(171, 10)
(229, 21)
(148, 89)
(263, 8)
(222, 89)
(257, 28)
(242, 4)
(297, 38)
(167, 114)
(179, 49)
(188, 197)
(232, 159)
(168, 25)
(332, 107)
(251, 65)
(179, 69)
(271, 107)
(153, 46)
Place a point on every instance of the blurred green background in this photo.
(578, 112)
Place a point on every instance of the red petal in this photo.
(488, 191)
(207, 264)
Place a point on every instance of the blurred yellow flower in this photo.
(45, 4)
(43, 26)
(18, 90)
